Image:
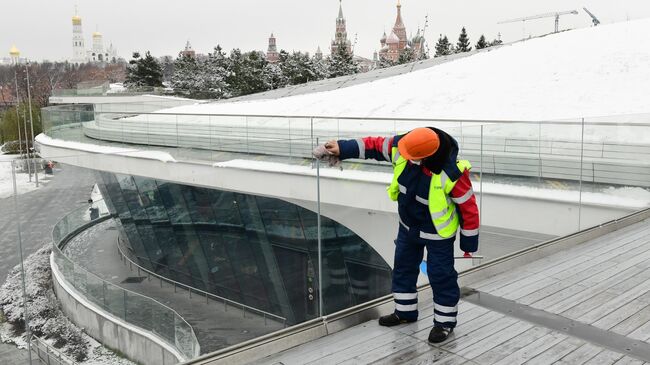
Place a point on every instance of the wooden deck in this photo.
(604, 283)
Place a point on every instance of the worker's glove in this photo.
(323, 155)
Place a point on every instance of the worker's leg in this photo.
(444, 282)
(408, 256)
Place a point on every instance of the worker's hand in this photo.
(324, 154)
(333, 147)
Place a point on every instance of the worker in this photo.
(435, 198)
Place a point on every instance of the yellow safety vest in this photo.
(441, 207)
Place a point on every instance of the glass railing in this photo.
(534, 181)
(105, 91)
(131, 307)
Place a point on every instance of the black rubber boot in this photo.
(439, 334)
(393, 320)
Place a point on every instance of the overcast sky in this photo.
(42, 29)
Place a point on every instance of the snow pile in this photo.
(45, 317)
(22, 179)
(580, 73)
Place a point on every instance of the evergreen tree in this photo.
(213, 74)
(407, 56)
(342, 63)
(443, 47)
(482, 43)
(274, 76)
(495, 42)
(143, 72)
(185, 79)
(463, 44)
(320, 68)
(246, 72)
(297, 68)
(385, 62)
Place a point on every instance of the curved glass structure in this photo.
(254, 250)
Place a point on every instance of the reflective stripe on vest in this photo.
(441, 206)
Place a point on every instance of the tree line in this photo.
(444, 47)
(44, 78)
(220, 75)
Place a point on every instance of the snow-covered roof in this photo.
(586, 72)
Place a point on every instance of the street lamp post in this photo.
(15, 54)
(31, 120)
(29, 167)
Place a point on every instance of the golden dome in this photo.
(76, 20)
(96, 34)
(14, 52)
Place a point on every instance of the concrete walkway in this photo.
(216, 327)
(40, 209)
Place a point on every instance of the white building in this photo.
(97, 53)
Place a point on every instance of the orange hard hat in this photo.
(418, 144)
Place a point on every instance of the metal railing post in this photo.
(318, 228)
(582, 152)
(22, 267)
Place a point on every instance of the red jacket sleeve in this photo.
(377, 148)
(463, 195)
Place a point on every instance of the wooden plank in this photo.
(605, 357)
(459, 343)
(532, 349)
(624, 312)
(641, 333)
(626, 360)
(329, 344)
(411, 352)
(432, 357)
(636, 291)
(633, 322)
(521, 292)
(382, 352)
(344, 353)
(588, 305)
(580, 355)
(572, 297)
(514, 344)
(561, 261)
(556, 352)
(488, 343)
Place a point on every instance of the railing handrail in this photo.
(73, 232)
(205, 293)
(564, 122)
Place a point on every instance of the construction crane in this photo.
(555, 15)
(593, 17)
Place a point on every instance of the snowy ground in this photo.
(598, 71)
(44, 310)
(22, 179)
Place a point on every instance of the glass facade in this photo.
(255, 250)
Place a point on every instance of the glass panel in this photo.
(615, 170)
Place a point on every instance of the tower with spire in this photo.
(399, 29)
(78, 45)
(188, 51)
(396, 43)
(272, 54)
(341, 35)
